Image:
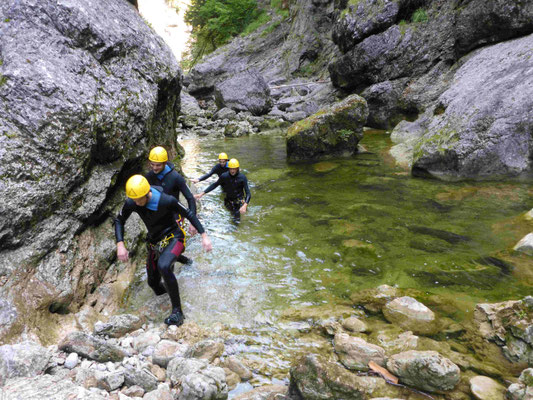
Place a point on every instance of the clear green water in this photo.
(317, 233)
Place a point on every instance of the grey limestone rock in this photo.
(118, 325)
(26, 359)
(91, 347)
(411, 315)
(47, 387)
(426, 370)
(481, 125)
(332, 131)
(525, 245)
(245, 91)
(86, 89)
(355, 353)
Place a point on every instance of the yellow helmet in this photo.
(137, 186)
(233, 163)
(222, 156)
(158, 154)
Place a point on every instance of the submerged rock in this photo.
(355, 353)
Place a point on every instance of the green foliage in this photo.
(7, 20)
(269, 29)
(419, 15)
(278, 6)
(215, 22)
(262, 19)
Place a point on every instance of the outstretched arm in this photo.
(178, 207)
(208, 189)
(119, 222)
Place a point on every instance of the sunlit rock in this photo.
(426, 370)
(485, 388)
(411, 315)
(355, 353)
(525, 245)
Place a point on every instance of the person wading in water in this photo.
(235, 186)
(165, 240)
(164, 174)
(218, 169)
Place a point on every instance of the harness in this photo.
(160, 246)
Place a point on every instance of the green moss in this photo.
(271, 28)
(7, 20)
(305, 124)
(419, 15)
(3, 80)
(261, 20)
(442, 140)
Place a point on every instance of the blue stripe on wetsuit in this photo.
(162, 174)
(154, 201)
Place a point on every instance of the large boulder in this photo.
(481, 125)
(332, 131)
(246, 91)
(355, 353)
(25, 359)
(48, 387)
(86, 90)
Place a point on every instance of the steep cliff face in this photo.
(295, 49)
(85, 89)
(406, 57)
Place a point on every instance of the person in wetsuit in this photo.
(165, 240)
(164, 174)
(218, 169)
(235, 187)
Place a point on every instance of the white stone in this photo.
(525, 245)
(72, 360)
(485, 388)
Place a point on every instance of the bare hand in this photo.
(192, 230)
(195, 180)
(206, 242)
(243, 209)
(198, 196)
(122, 252)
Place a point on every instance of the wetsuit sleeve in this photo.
(213, 186)
(247, 190)
(177, 207)
(121, 219)
(204, 177)
(183, 188)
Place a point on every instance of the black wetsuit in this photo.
(236, 190)
(172, 183)
(217, 169)
(160, 224)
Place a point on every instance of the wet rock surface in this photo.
(76, 117)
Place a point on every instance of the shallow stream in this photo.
(316, 233)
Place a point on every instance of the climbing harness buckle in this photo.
(164, 242)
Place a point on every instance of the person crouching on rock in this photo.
(235, 186)
(165, 237)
